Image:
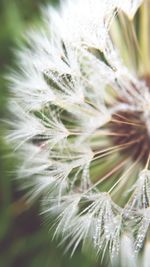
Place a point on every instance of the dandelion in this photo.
(81, 104)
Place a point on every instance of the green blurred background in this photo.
(24, 239)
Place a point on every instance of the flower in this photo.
(81, 109)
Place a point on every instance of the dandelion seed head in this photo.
(81, 124)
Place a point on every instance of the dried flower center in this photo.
(130, 131)
(131, 134)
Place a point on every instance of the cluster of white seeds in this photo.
(70, 98)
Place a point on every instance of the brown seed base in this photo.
(131, 134)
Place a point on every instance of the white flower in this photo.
(81, 125)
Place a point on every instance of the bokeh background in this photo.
(24, 237)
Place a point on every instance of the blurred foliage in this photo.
(24, 241)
